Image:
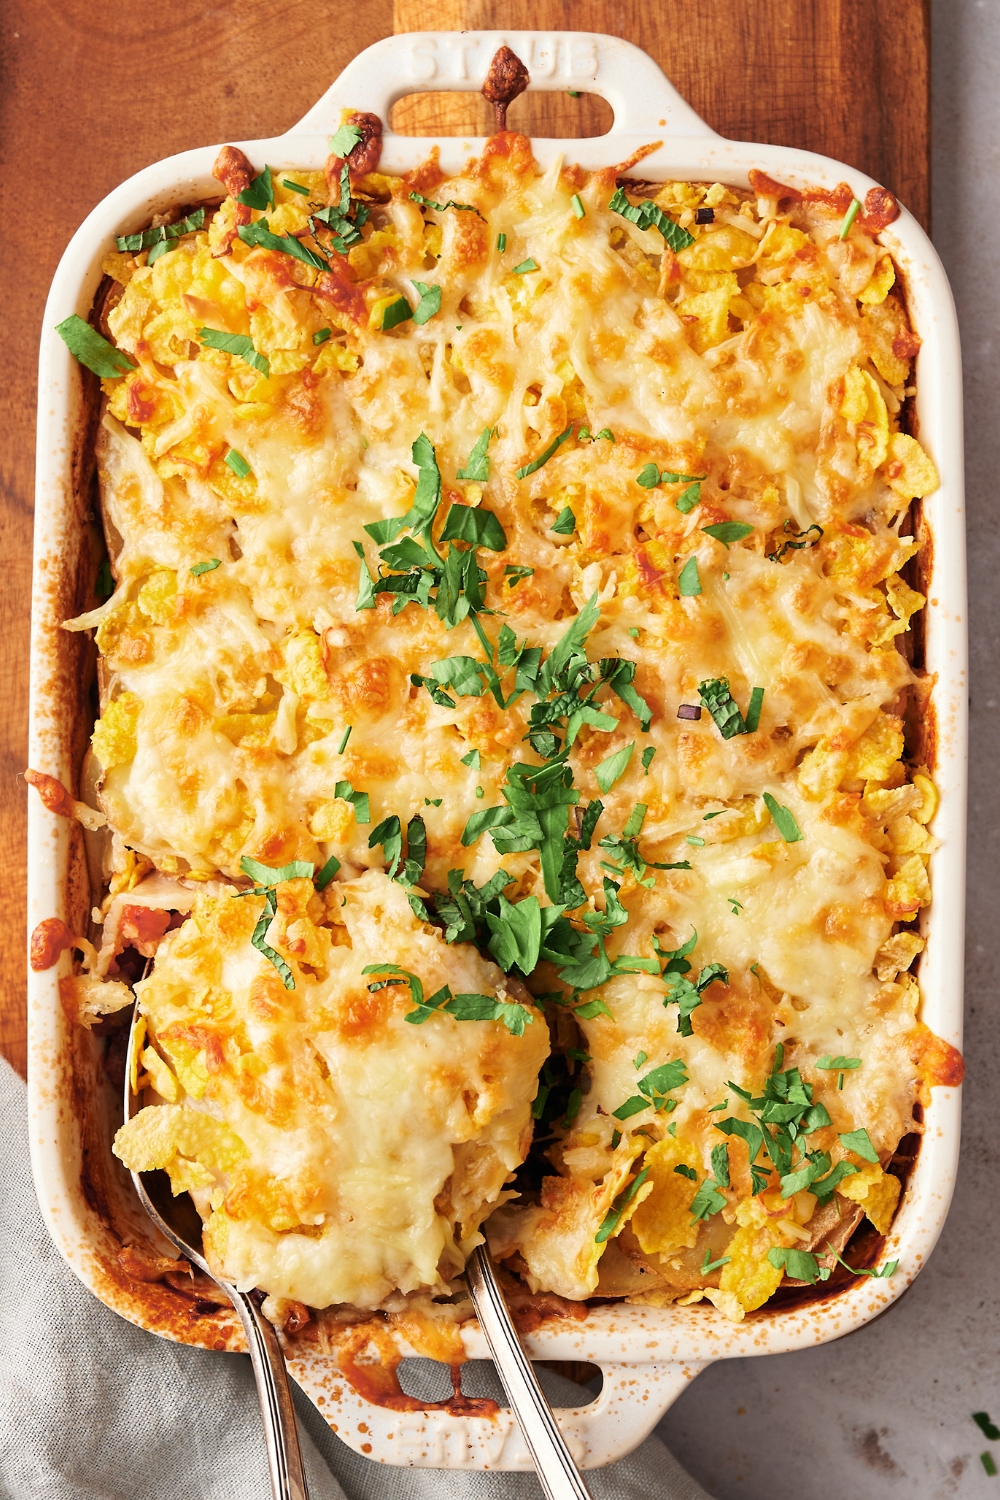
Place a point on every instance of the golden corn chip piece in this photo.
(711, 309)
(332, 821)
(897, 954)
(148, 1141)
(185, 1175)
(662, 1221)
(876, 1191)
(908, 469)
(877, 751)
(909, 888)
(114, 736)
(750, 1276)
(879, 284)
(163, 1080)
(158, 596)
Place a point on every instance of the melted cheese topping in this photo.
(769, 356)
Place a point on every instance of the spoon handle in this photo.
(284, 1457)
(558, 1474)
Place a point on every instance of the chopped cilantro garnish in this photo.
(605, 432)
(688, 581)
(514, 573)
(838, 1065)
(433, 801)
(638, 1060)
(473, 760)
(849, 218)
(688, 1172)
(683, 992)
(359, 801)
(796, 546)
(653, 1089)
(261, 235)
(344, 140)
(239, 344)
(478, 527)
(613, 768)
(988, 1463)
(565, 522)
(688, 499)
(429, 304)
(988, 1428)
(647, 758)
(734, 906)
(260, 193)
(397, 312)
(578, 207)
(613, 1216)
(716, 697)
(707, 1201)
(237, 463)
(346, 736)
(87, 345)
(544, 457)
(802, 1265)
(709, 1265)
(646, 215)
(321, 335)
(266, 876)
(326, 874)
(649, 476)
(441, 208)
(783, 819)
(294, 187)
(728, 532)
(161, 238)
(477, 466)
(525, 267)
(472, 1007)
(859, 1142)
(616, 1139)
(209, 566)
(882, 1274)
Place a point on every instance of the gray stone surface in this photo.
(886, 1412)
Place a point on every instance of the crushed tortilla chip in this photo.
(662, 1222)
(876, 1191)
(114, 736)
(157, 1134)
(750, 1276)
(908, 469)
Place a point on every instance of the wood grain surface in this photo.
(93, 90)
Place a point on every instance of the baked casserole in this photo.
(552, 874)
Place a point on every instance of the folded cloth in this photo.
(92, 1408)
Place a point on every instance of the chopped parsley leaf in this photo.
(613, 1216)
(266, 876)
(796, 546)
(514, 573)
(616, 1139)
(260, 193)
(734, 906)
(441, 208)
(613, 768)
(478, 527)
(525, 267)
(716, 697)
(477, 467)
(707, 1201)
(473, 760)
(87, 345)
(987, 1461)
(239, 344)
(859, 1142)
(638, 1060)
(728, 532)
(395, 313)
(688, 581)
(649, 476)
(544, 457)
(359, 801)
(988, 1428)
(209, 566)
(461, 1007)
(565, 522)
(344, 140)
(326, 874)
(783, 819)
(433, 801)
(160, 239)
(708, 1265)
(802, 1265)
(688, 499)
(261, 235)
(752, 719)
(321, 335)
(647, 758)
(646, 215)
(429, 304)
(346, 736)
(688, 1172)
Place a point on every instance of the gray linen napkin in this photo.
(92, 1408)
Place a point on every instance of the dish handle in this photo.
(643, 99)
(632, 1400)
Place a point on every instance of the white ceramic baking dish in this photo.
(647, 1355)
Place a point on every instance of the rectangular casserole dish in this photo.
(647, 1354)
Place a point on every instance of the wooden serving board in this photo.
(92, 90)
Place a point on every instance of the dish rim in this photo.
(672, 1341)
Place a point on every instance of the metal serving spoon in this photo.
(557, 1473)
(284, 1458)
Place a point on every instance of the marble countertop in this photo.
(887, 1411)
